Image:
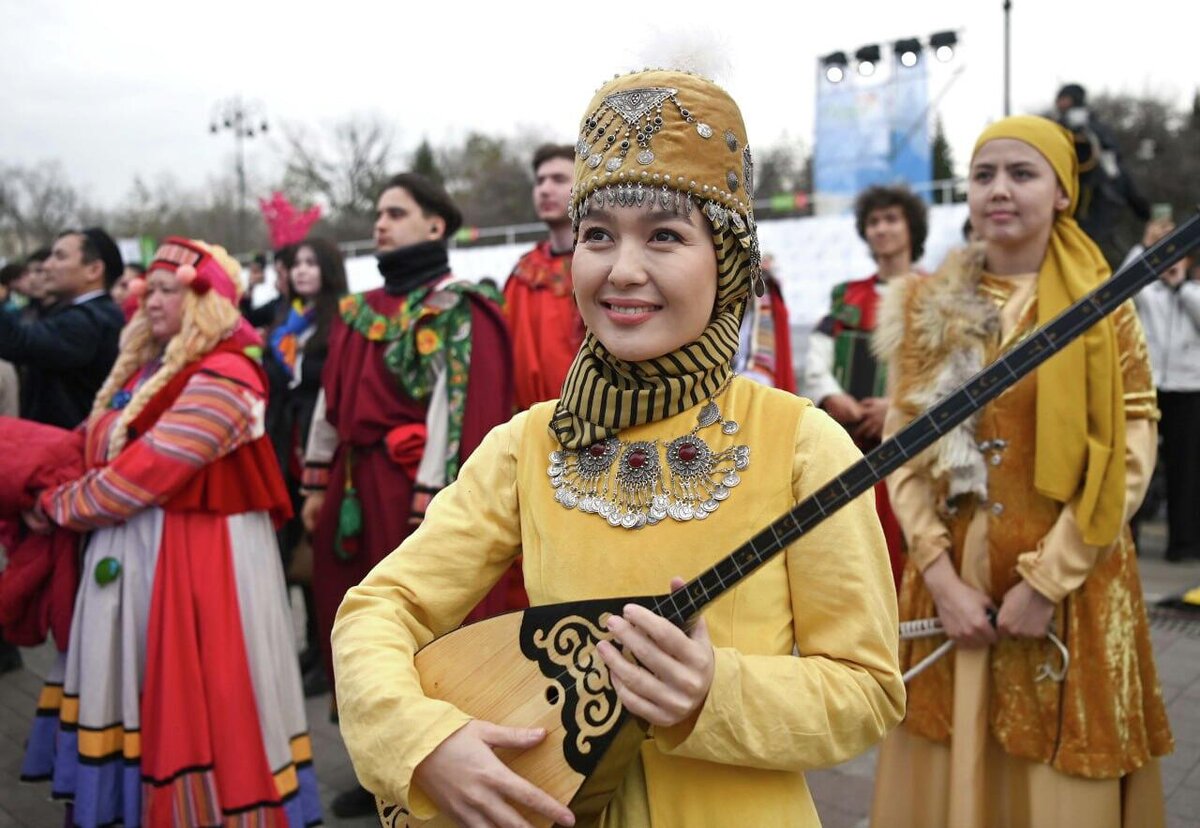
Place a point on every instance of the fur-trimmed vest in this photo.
(1107, 718)
(936, 332)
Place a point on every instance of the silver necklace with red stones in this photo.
(624, 482)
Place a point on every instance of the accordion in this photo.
(855, 367)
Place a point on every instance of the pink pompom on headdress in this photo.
(195, 267)
(200, 283)
(285, 223)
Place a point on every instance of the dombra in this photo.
(539, 668)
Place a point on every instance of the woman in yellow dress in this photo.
(1017, 525)
(656, 462)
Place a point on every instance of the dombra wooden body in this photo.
(539, 667)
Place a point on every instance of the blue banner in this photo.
(872, 130)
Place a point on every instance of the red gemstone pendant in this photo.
(688, 452)
(637, 459)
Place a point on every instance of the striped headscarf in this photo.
(670, 140)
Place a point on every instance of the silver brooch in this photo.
(633, 104)
(732, 180)
(705, 130)
(594, 160)
(613, 164)
(731, 140)
(645, 157)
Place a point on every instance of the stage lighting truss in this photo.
(835, 66)
(908, 51)
(868, 59)
(942, 44)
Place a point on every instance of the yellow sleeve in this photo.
(914, 503)
(424, 589)
(843, 693)
(1137, 380)
(1062, 561)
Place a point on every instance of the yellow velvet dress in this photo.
(985, 743)
(806, 673)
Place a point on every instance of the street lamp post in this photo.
(1007, 58)
(245, 120)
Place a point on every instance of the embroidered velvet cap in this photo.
(669, 139)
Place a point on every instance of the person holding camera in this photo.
(1104, 185)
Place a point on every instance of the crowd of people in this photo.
(435, 451)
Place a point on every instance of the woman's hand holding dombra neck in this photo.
(674, 669)
(1024, 612)
(470, 785)
(962, 609)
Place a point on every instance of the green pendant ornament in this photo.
(348, 539)
(107, 571)
(350, 525)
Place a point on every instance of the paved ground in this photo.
(843, 793)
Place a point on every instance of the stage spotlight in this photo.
(835, 66)
(868, 59)
(908, 51)
(943, 44)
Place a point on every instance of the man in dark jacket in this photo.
(68, 352)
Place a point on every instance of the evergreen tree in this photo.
(943, 161)
(424, 162)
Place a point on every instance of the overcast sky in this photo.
(123, 88)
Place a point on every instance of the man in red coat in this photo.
(418, 372)
(841, 374)
(538, 298)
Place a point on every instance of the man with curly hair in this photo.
(841, 375)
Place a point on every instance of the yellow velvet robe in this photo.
(1024, 751)
(769, 714)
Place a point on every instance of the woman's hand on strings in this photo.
(674, 669)
(469, 784)
(963, 610)
(1025, 612)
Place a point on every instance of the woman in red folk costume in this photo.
(178, 701)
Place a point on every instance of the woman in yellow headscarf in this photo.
(1020, 515)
